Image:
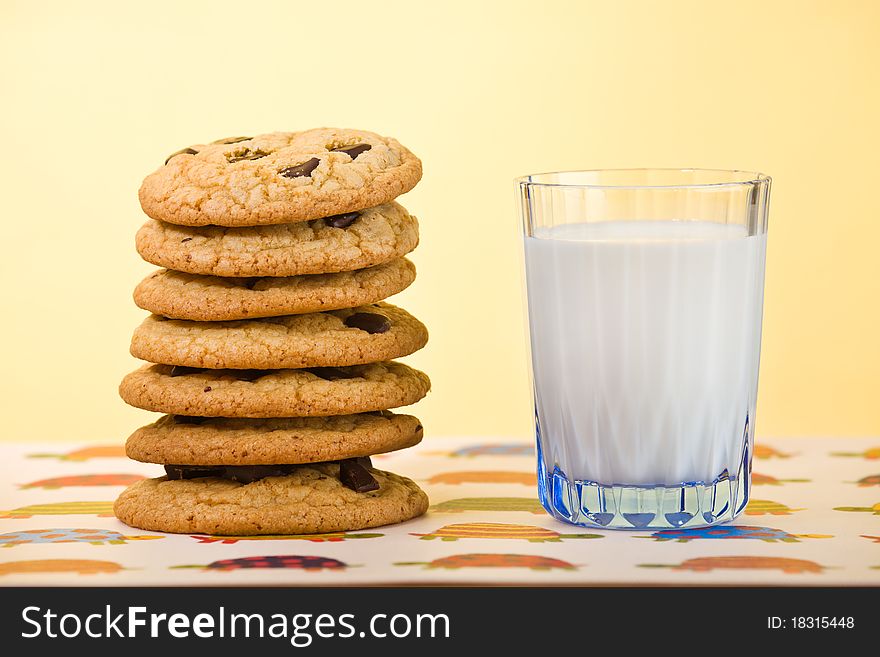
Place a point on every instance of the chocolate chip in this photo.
(250, 283)
(230, 140)
(188, 419)
(246, 474)
(185, 239)
(418, 427)
(330, 373)
(207, 389)
(182, 151)
(180, 370)
(353, 151)
(355, 476)
(369, 322)
(243, 154)
(192, 471)
(341, 220)
(304, 169)
(249, 375)
(353, 473)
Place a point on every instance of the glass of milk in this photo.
(645, 291)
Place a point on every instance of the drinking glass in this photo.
(644, 295)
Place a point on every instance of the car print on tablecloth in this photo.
(767, 452)
(870, 480)
(529, 533)
(706, 564)
(861, 509)
(524, 504)
(762, 479)
(330, 537)
(65, 535)
(530, 561)
(871, 454)
(491, 449)
(484, 477)
(101, 509)
(86, 453)
(78, 566)
(768, 534)
(768, 507)
(289, 561)
(113, 479)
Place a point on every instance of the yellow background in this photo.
(95, 95)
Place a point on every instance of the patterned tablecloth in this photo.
(814, 520)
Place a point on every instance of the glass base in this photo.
(687, 505)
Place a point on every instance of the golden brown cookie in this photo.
(279, 177)
(179, 295)
(351, 336)
(186, 440)
(366, 238)
(310, 500)
(310, 392)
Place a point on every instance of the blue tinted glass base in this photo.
(603, 506)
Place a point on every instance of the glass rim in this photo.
(744, 178)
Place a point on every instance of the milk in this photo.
(645, 338)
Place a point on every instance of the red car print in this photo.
(281, 561)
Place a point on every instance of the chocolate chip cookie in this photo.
(243, 441)
(316, 391)
(360, 239)
(272, 344)
(350, 336)
(311, 499)
(280, 177)
(179, 295)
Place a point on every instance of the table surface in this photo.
(814, 520)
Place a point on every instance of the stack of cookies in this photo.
(270, 348)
